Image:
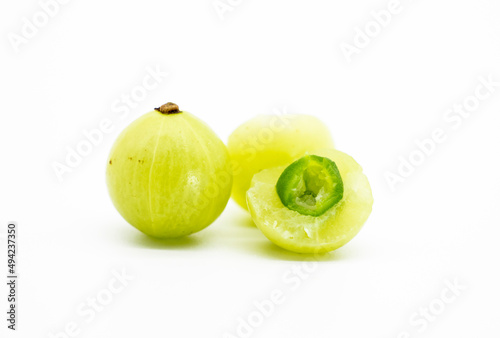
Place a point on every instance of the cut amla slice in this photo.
(313, 205)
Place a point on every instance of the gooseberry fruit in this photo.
(168, 173)
(309, 206)
(268, 141)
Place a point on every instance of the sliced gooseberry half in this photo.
(300, 233)
(311, 185)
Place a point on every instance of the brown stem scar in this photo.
(169, 108)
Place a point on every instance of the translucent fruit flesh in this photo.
(169, 175)
(300, 233)
(267, 141)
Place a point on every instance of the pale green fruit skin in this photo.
(169, 175)
(308, 234)
(267, 141)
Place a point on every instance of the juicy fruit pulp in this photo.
(310, 185)
(168, 174)
(267, 141)
(300, 233)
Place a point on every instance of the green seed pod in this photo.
(310, 185)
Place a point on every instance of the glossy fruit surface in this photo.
(267, 141)
(168, 174)
(300, 233)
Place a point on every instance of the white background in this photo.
(441, 224)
